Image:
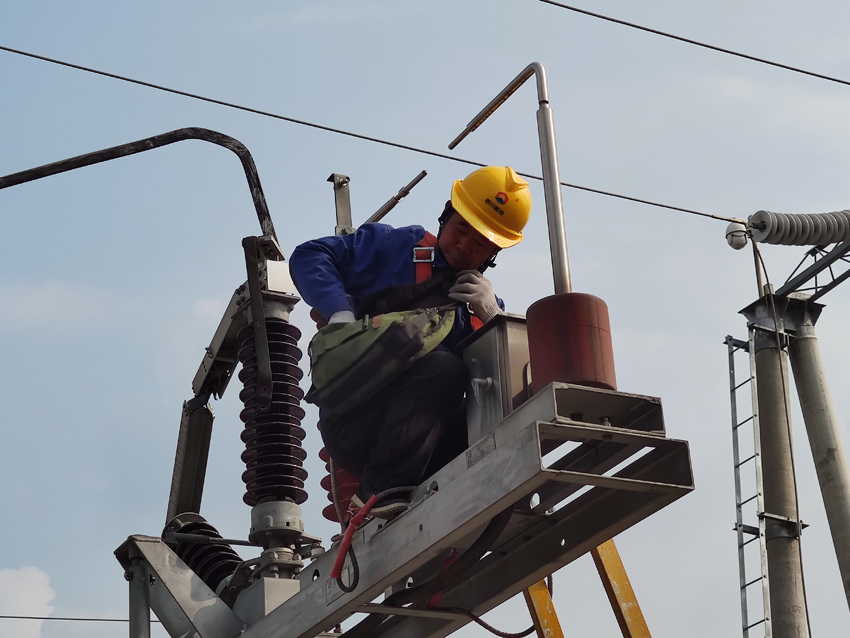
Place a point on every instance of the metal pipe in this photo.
(554, 204)
(786, 609)
(148, 143)
(824, 438)
(395, 199)
(535, 68)
(549, 161)
(140, 600)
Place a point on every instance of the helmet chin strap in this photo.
(490, 262)
(448, 211)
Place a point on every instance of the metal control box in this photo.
(499, 373)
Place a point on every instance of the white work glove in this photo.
(475, 289)
(341, 316)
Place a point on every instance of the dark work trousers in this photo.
(407, 431)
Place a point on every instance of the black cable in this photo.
(355, 573)
(359, 136)
(488, 627)
(68, 618)
(665, 34)
(355, 567)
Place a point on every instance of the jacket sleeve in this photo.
(331, 270)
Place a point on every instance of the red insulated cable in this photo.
(358, 519)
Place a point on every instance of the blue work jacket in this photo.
(340, 273)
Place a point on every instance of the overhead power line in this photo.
(705, 45)
(338, 131)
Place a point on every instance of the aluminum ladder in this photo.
(749, 523)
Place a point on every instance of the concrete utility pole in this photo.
(787, 604)
(822, 427)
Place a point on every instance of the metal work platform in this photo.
(581, 465)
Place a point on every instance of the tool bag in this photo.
(350, 362)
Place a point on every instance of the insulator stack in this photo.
(211, 562)
(346, 486)
(273, 454)
(800, 230)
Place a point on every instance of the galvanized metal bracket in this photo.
(180, 599)
(342, 201)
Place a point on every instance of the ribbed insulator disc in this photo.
(273, 455)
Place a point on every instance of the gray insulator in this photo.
(800, 230)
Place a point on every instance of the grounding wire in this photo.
(360, 136)
(705, 45)
(785, 403)
(70, 618)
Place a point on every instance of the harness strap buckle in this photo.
(423, 254)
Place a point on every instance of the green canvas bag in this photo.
(350, 362)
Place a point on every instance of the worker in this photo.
(415, 424)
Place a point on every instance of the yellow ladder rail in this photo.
(617, 586)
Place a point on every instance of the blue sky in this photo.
(114, 277)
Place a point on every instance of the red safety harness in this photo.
(423, 258)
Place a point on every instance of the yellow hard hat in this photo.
(495, 201)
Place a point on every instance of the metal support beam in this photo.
(140, 599)
(619, 589)
(824, 432)
(797, 283)
(190, 460)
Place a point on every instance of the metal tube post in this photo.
(781, 526)
(140, 600)
(549, 160)
(554, 204)
(824, 436)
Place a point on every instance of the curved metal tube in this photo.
(535, 68)
(549, 161)
(148, 143)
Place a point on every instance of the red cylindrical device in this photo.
(569, 340)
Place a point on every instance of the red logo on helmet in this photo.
(502, 198)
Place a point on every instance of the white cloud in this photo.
(24, 592)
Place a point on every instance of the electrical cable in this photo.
(785, 402)
(488, 627)
(70, 618)
(359, 136)
(705, 45)
(472, 554)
